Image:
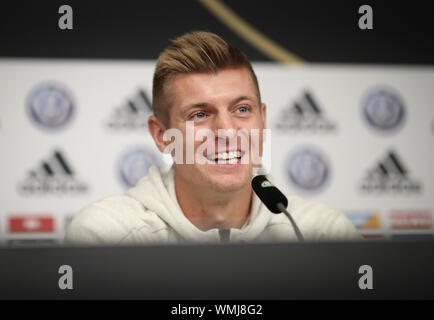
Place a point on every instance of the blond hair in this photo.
(201, 52)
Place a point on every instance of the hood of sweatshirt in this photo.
(156, 192)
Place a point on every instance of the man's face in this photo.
(213, 101)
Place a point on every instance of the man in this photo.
(202, 82)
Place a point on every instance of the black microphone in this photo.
(273, 199)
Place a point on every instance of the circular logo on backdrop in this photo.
(50, 105)
(135, 163)
(383, 109)
(307, 169)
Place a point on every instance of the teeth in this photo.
(232, 160)
(225, 155)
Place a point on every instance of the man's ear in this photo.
(157, 129)
(264, 114)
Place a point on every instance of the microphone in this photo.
(273, 199)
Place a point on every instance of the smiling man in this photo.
(204, 85)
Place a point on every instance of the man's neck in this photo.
(208, 210)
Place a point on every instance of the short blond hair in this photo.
(194, 52)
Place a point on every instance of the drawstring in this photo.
(224, 235)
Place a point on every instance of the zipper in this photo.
(225, 235)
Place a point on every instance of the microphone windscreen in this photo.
(268, 193)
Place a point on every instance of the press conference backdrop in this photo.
(355, 135)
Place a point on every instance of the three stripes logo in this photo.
(132, 115)
(52, 176)
(304, 115)
(391, 176)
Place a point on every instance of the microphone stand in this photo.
(282, 208)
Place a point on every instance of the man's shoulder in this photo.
(111, 219)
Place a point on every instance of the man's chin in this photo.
(228, 186)
(228, 182)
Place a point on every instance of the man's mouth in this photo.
(226, 156)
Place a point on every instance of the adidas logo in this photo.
(390, 175)
(53, 176)
(304, 115)
(133, 114)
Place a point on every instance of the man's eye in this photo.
(242, 109)
(200, 115)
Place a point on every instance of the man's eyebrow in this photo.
(206, 104)
(236, 100)
(196, 105)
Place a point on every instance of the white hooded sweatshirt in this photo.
(149, 213)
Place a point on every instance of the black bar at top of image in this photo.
(315, 31)
(401, 270)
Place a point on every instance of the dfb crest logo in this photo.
(383, 109)
(308, 169)
(135, 163)
(50, 105)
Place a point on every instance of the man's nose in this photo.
(224, 121)
(225, 131)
